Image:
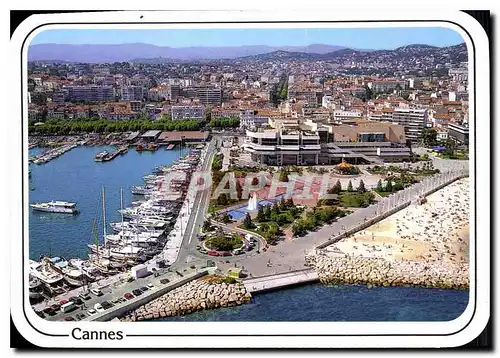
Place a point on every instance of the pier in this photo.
(273, 282)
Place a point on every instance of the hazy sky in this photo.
(361, 38)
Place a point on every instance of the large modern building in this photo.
(458, 133)
(188, 112)
(297, 144)
(209, 96)
(132, 93)
(89, 93)
(413, 120)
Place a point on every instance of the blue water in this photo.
(236, 214)
(343, 303)
(75, 177)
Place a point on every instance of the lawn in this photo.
(356, 200)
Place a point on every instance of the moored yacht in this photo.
(72, 274)
(60, 207)
(45, 272)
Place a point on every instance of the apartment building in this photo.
(89, 93)
(132, 93)
(188, 112)
(340, 115)
(413, 120)
(209, 96)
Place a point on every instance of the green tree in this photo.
(349, 186)
(207, 226)
(337, 188)
(380, 188)
(282, 205)
(226, 218)
(388, 186)
(267, 212)
(247, 222)
(283, 176)
(261, 216)
(429, 137)
(361, 187)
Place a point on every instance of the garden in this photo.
(223, 242)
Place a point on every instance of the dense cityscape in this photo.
(283, 168)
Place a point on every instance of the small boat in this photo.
(152, 147)
(100, 157)
(139, 148)
(170, 147)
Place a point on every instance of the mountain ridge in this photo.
(107, 53)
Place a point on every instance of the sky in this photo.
(360, 38)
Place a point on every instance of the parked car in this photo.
(128, 296)
(98, 307)
(55, 307)
(81, 316)
(96, 292)
(213, 253)
(164, 281)
(48, 310)
(137, 292)
(63, 302)
(143, 288)
(69, 318)
(40, 314)
(226, 253)
(151, 286)
(106, 305)
(76, 300)
(91, 311)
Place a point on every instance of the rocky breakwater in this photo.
(197, 295)
(381, 272)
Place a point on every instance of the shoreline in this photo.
(424, 245)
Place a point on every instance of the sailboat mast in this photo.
(104, 215)
(121, 204)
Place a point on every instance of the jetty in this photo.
(273, 282)
(52, 154)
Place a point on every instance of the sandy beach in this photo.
(435, 231)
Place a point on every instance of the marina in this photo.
(139, 236)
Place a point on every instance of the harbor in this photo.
(132, 240)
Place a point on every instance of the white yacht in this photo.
(72, 274)
(61, 207)
(45, 272)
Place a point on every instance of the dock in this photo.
(273, 282)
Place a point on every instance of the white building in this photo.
(413, 120)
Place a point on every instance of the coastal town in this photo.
(277, 169)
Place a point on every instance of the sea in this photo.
(75, 177)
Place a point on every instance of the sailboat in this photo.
(100, 257)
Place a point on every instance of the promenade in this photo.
(289, 255)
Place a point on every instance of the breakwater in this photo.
(381, 272)
(201, 294)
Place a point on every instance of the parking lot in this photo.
(108, 297)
